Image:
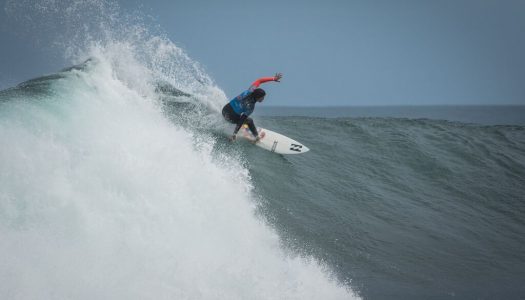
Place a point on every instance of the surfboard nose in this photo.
(305, 149)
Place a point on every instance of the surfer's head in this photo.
(258, 94)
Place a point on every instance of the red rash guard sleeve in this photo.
(258, 82)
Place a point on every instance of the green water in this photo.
(401, 208)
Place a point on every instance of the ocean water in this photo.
(404, 208)
(117, 182)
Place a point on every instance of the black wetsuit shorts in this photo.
(231, 116)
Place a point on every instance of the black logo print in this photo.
(296, 148)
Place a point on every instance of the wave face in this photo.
(406, 208)
(103, 195)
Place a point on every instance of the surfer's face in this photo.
(260, 99)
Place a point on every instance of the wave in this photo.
(105, 195)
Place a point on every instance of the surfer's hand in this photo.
(278, 77)
(232, 138)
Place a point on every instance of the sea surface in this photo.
(475, 114)
(117, 181)
(406, 202)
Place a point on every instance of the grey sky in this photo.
(337, 52)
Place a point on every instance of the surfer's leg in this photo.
(251, 125)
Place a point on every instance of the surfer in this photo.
(238, 110)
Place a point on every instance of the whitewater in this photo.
(103, 195)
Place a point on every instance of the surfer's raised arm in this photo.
(237, 111)
(257, 83)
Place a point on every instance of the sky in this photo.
(411, 52)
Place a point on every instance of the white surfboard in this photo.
(274, 142)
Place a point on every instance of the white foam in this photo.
(102, 197)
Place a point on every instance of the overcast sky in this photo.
(334, 52)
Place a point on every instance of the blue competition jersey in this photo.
(244, 104)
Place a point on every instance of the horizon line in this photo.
(390, 105)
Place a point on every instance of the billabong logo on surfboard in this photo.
(295, 147)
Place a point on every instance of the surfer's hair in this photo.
(258, 93)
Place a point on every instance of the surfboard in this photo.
(273, 141)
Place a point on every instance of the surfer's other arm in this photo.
(244, 119)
